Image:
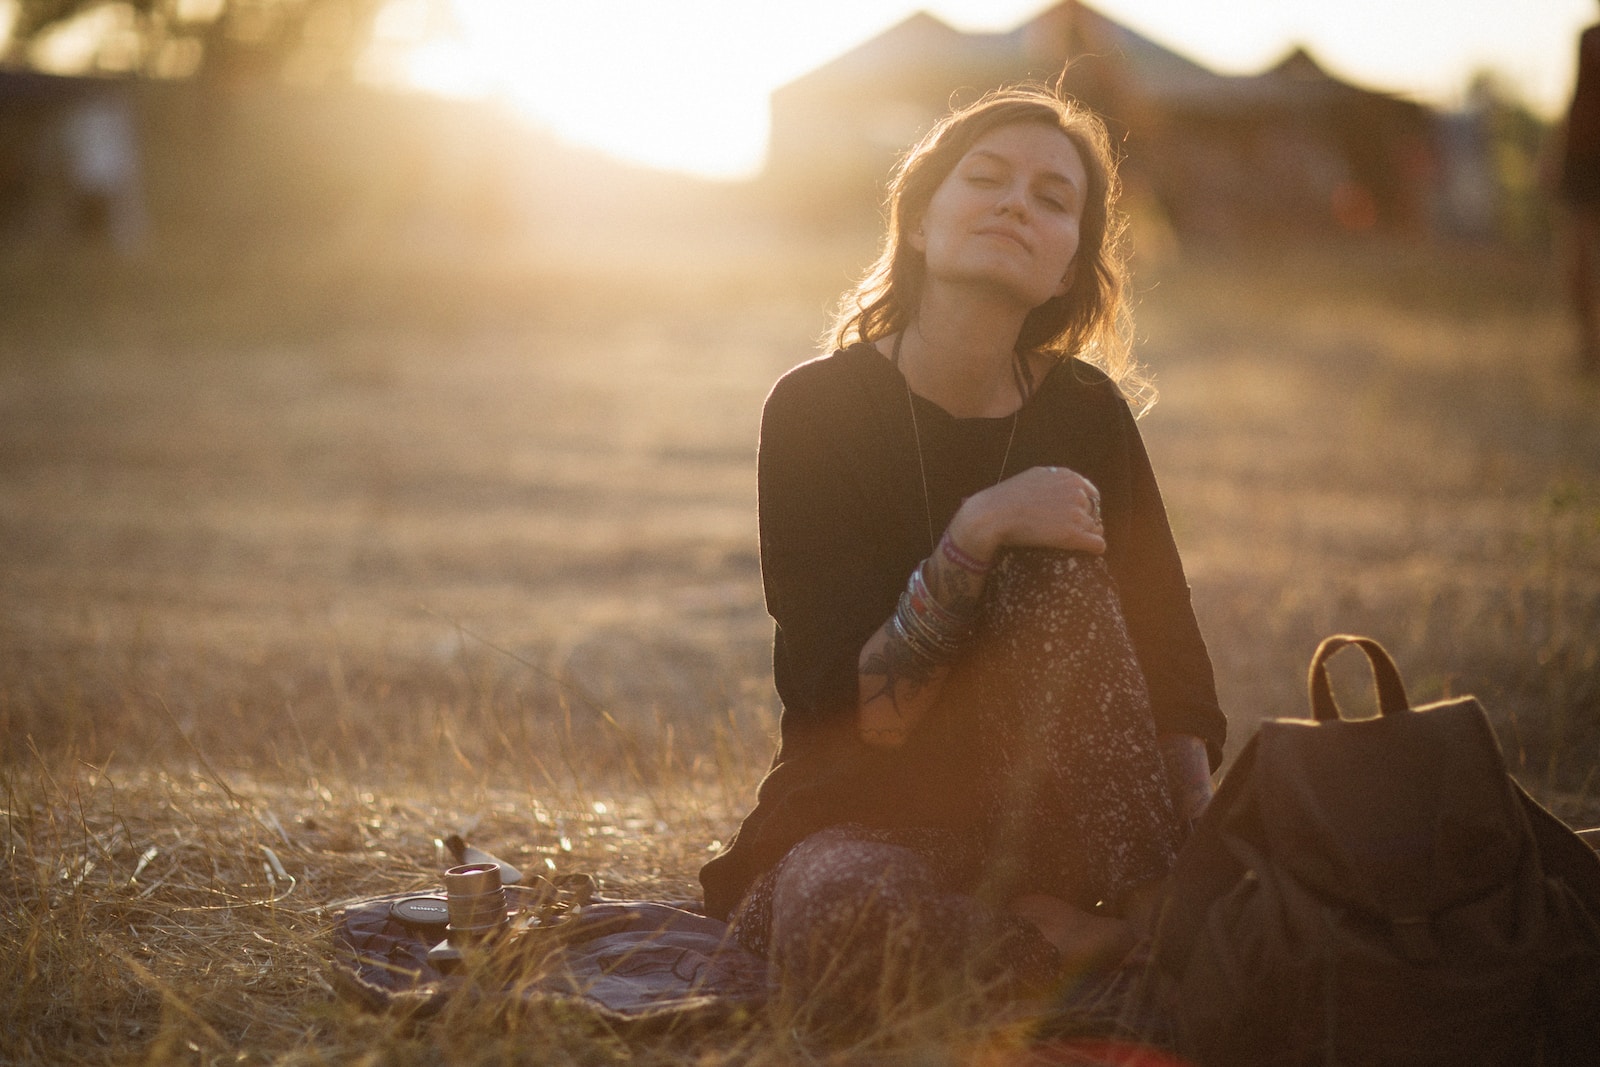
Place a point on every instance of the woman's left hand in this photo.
(1041, 507)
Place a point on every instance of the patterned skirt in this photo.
(1073, 796)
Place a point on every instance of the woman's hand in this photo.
(1042, 507)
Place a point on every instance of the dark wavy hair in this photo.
(1092, 320)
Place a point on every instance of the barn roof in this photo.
(909, 49)
(1072, 31)
(1067, 34)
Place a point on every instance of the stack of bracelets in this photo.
(929, 629)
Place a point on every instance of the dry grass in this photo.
(1390, 443)
(306, 561)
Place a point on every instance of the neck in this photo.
(960, 351)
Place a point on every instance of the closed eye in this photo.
(1057, 196)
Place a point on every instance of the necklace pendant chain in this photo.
(1024, 380)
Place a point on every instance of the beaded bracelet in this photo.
(955, 554)
(929, 629)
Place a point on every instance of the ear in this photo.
(1067, 279)
(916, 238)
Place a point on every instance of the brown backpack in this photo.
(1380, 891)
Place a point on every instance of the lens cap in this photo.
(432, 912)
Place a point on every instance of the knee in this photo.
(834, 872)
(855, 933)
(833, 891)
(1040, 591)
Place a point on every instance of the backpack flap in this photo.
(1401, 816)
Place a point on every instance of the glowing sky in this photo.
(683, 83)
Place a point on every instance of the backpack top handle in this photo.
(1385, 675)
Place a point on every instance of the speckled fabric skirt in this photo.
(1076, 797)
(1070, 780)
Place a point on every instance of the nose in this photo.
(1013, 202)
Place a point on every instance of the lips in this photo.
(1006, 234)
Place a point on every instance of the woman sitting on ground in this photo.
(998, 711)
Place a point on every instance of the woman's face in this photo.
(1006, 217)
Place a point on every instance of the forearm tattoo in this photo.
(898, 681)
(899, 673)
(957, 589)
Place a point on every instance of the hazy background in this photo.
(338, 420)
(377, 464)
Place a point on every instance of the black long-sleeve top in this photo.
(850, 502)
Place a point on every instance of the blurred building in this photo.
(1292, 150)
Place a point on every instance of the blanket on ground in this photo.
(633, 961)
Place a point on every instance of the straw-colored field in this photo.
(306, 561)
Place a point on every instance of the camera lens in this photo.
(476, 902)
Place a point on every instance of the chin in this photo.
(1023, 291)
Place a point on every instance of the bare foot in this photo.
(1085, 941)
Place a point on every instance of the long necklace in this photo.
(1024, 380)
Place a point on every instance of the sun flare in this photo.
(684, 85)
(637, 80)
(681, 85)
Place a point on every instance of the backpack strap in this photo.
(1567, 855)
(1392, 697)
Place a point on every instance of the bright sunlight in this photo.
(640, 81)
(684, 85)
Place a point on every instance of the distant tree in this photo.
(295, 40)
